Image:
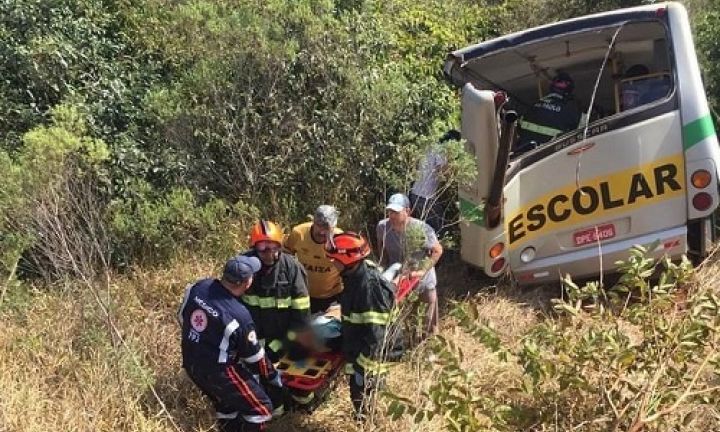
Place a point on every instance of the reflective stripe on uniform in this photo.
(225, 342)
(266, 302)
(276, 303)
(275, 345)
(303, 400)
(300, 303)
(247, 393)
(540, 129)
(256, 357)
(371, 365)
(369, 317)
(257, 419)
(222, 415)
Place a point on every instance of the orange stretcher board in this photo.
(315, 371)
(311, 373)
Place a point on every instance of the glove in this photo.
(359, 379)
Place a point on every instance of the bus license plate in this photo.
(591, 235)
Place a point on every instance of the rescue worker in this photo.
(552, 115)
(393, 247)
(307, 242)
(277, 299)
(221, 352)
(366, 304)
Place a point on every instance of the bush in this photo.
(640, 355)
(289, 105)
(47, 182)
(151, 227)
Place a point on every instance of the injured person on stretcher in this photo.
(309, 375)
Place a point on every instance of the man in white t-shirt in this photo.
(393, 248)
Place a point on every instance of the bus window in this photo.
(526, 72)
(640, 87)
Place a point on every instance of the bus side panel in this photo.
(630, 183)
(698, 133)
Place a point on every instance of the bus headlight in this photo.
(527, 254)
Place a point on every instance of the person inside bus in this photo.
(640, 87)
(552, 115)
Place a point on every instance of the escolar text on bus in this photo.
(619, 191)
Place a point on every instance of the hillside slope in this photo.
(63, 368)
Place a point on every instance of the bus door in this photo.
(479, 127)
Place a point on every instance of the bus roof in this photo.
(459, 59)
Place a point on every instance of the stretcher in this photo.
(317, 372)
(405, 285)
(313, 374)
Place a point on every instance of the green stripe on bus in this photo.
(472, 212)
(697, 130)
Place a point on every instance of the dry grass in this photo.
(60, 368)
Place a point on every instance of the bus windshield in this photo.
(637, 75)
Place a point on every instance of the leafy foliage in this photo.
(150, 227)
(199, 105)
(639, 355)
(709, 51)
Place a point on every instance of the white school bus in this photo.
(635, 171)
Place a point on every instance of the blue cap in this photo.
(240, 268)
(398, 202)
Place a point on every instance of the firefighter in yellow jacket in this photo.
(277, 299)
(367, 303)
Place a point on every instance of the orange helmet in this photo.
(347, 248)
(266, 231)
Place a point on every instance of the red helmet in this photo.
(562, 83)
(266, 231)
(347, 248)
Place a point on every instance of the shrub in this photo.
(640, 355)
(152, 227)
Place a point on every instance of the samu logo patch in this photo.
(199, 320)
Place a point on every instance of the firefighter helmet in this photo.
(348, 248)
(266, 231)
(562, 83)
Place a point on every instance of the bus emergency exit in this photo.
(641, 166)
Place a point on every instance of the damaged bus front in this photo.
(640, 166)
